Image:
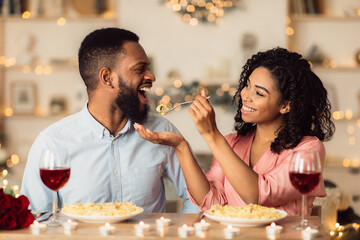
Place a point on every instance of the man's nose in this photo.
(150, 76)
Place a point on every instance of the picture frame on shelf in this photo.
(58, 105)
(23, 97)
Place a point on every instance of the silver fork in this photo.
(166, 111)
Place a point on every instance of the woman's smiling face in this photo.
(260, 98)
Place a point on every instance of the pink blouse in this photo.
(275, 189)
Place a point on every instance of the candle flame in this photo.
(69, 220)
(162, 218)
(202, 221)
(308, 229)
(141, 223)
(272, 224)
(229, 227)
(107, 225)
(184, 226)
(36, 222)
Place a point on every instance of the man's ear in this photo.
(285, 108)
(105, 77)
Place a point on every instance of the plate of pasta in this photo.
(247, 216)
(101, 213)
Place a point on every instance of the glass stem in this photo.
(55, 205)
(303, 211)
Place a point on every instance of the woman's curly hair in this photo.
(309, 105)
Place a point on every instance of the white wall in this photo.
(174, 44)
(344, 86)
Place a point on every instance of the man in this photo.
(109, 160)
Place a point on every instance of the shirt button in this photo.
(113, 142)
(115, 171)
(105, 132)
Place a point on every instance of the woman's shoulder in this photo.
(310, 143)
(310, 140)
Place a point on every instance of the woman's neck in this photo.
(266, 133)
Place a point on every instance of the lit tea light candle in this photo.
(163, 222)
(201, 234)
(141, 228)
(37, 228)
(70, 225)
(160, 231)
(273, 230)
(309, 233)
(107, 229)
(185, 231)
(201, 226)
(230, 232)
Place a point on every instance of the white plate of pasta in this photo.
(249, 216)
(101, 213)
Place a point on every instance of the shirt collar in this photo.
(97, 127)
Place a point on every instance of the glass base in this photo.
(53, 222)
(302, 226)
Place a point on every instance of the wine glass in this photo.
(305, 172)
(54, 172)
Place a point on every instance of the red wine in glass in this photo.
(54, 172)
(304, 173)
(305, 182)
(55, 178)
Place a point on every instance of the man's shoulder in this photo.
(66, 123)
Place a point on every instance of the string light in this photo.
(289, 31)
(177, 83)
(26, 15)
(61, 21)
(195, 11)
(343, 232)
(159, 91)
(8, 112)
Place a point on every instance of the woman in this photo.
(283, 107)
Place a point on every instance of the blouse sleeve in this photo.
(216, 178)
(275, 188)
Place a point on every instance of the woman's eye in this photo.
(261, 95)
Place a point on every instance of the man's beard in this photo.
(129, 104)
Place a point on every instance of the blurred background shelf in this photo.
(180, 54)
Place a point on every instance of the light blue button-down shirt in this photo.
(104, 168)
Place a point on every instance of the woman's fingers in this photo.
(203, 103)
(202, 108)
